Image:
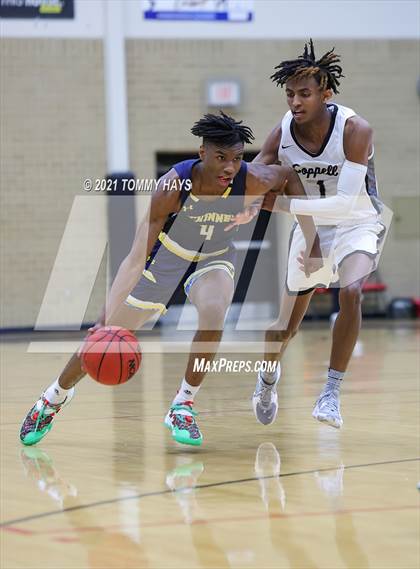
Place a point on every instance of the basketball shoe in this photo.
(180, 419)
(38, 422)
(327, 408)
(265, 401)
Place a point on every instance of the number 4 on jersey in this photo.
(207, 231)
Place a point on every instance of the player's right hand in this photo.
(99, 324)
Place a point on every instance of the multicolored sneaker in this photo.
(38, 422)
(327, 409)
(181, 420)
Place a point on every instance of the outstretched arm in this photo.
(357, 147)
(289, 184)
(272, 181)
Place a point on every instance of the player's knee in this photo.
(280, 335)
(212, 313)
(289, 334)
(351, 296)
(292, 333)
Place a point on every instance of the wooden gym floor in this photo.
(107, 488)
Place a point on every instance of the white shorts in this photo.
(337, 243)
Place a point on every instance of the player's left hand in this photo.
(244, 217)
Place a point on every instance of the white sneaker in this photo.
(265, 401)
(327, 409)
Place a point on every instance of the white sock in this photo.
(271, 377)
(334, 380)
(55, 393)
(186, 392)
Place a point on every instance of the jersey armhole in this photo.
(346, 118)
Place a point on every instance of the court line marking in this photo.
(57, 535)
(198, 487)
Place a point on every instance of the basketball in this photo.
(111, 355)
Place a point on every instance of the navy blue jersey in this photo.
(199, 225)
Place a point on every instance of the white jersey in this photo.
(319, 172)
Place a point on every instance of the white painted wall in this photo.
(88, 23)
(288, 19)
(294, 19)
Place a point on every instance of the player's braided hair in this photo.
(222, 129)
(325, 70)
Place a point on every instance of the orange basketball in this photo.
(111, 355)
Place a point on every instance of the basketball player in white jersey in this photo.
(331, 149)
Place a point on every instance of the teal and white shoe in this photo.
(38, 422)
(180, 419)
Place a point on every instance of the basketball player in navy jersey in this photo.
(187, 243)
(330, 147)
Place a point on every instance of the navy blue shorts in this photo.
(165, 271)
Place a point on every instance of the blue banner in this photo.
(199, 10)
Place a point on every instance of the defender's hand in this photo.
(310, 263)
(243, 217)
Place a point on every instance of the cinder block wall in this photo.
(52, 137)
(53, 133)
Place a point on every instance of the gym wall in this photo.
(53, 135)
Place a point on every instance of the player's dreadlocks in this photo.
(222, 130)
(326, 70)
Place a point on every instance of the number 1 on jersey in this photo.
(322, 189)
(207, 231)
